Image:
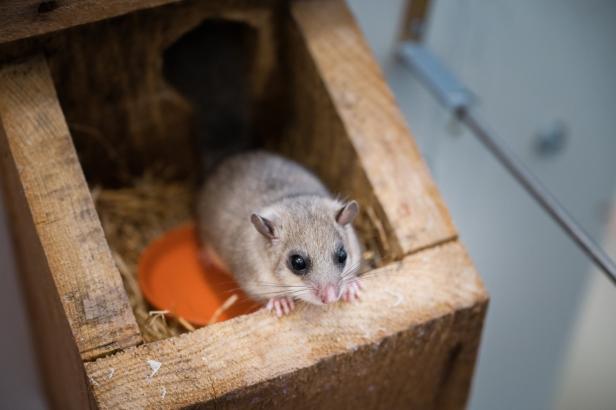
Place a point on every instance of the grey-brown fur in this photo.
(302, 211)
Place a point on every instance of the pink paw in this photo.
(281, 305)
(352, 290)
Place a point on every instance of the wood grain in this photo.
(59, 361)
(370, 120)
(124, 115)
(39, 147)
(410, 343)
(21, 19)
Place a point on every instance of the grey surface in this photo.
(19, 384)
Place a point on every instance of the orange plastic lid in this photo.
(174, 277)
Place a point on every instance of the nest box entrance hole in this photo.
(211, 66)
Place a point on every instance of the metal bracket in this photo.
(454, 96)
(440, 81)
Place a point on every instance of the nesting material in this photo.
(226, 305)
(131, 218)
(135, 215)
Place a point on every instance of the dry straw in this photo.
(133, 216)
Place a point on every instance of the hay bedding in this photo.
(135, 215)
(131, 218)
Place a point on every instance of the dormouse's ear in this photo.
(264, 226)
(347, 213)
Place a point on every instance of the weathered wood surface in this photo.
(410, 343)
(119, 106)
(27, 18)
(57, 214)
(337, 76)
(59, 361)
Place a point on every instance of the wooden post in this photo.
(410, 343)
(78, 304)
(342, 100)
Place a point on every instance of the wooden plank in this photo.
(155, 126)
(317, 137)
(37, 144)
(410, 343)
(59, 360)
(345, 68)
(21, 19)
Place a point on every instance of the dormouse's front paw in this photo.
(280, 305)
(351, 291)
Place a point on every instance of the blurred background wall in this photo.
(19, 384)
(538, 68)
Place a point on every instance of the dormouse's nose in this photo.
(328, 294)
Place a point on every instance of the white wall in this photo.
(530, 63)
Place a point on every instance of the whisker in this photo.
(350, 271)
(285, 292)
(281, 286)
(234, 290)
(367, 276)
(226, 282)
(352, 267)
(269, 296)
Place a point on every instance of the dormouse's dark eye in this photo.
(298, 264)
(341, 255)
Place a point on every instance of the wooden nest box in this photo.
(96, 94)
